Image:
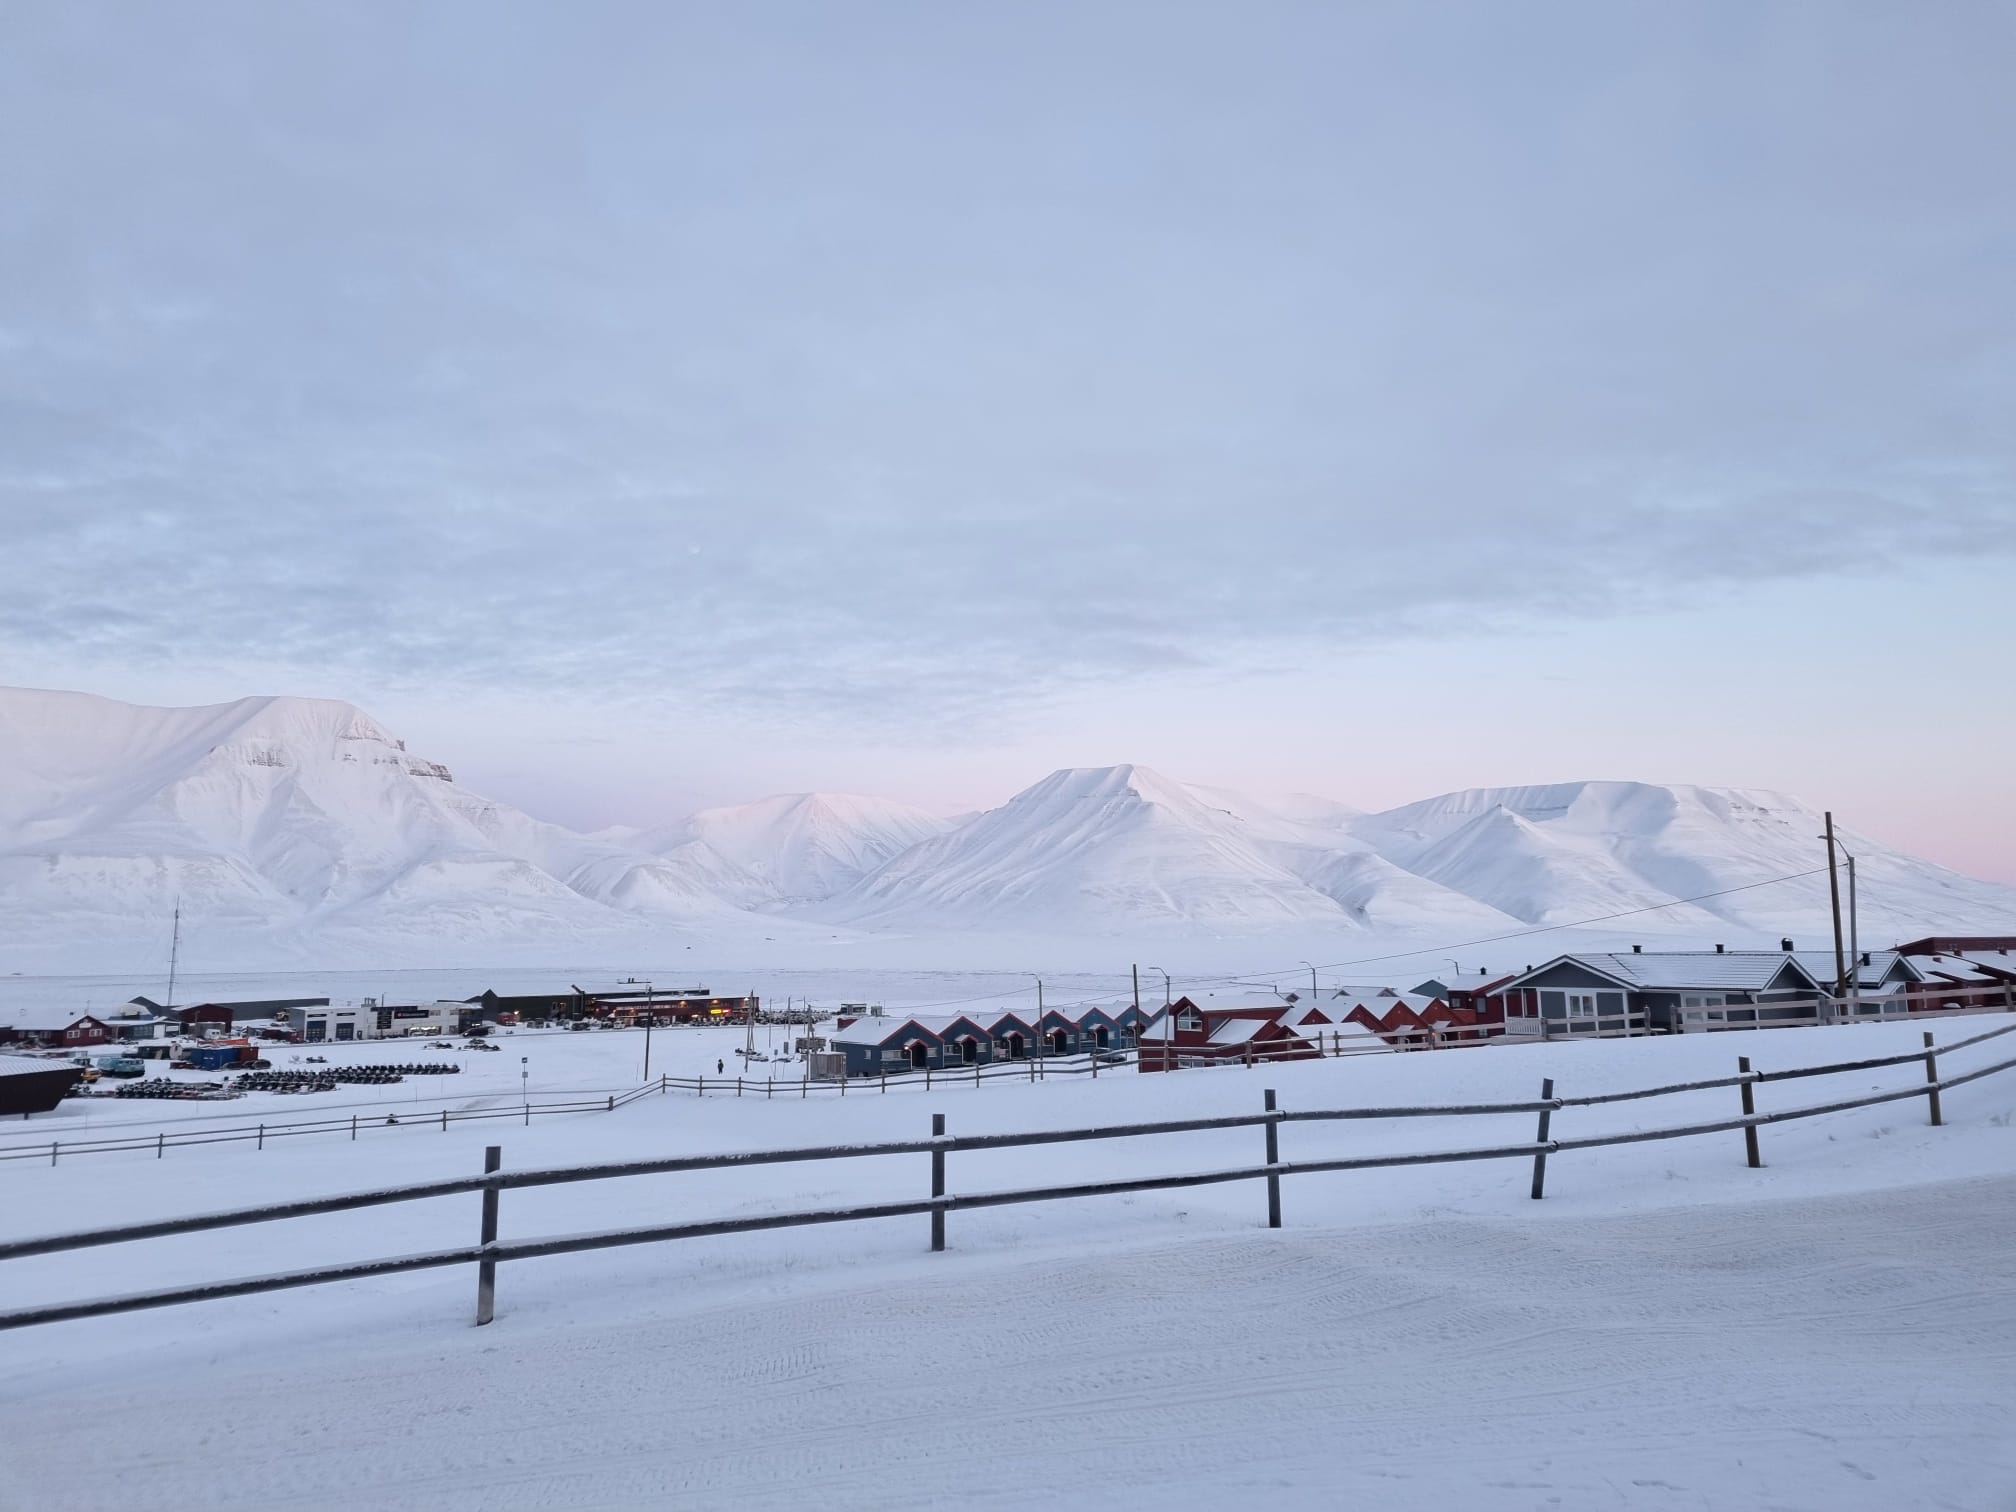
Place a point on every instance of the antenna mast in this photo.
(174, 949)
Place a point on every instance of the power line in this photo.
(1517, 934)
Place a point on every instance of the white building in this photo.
(324, 1023)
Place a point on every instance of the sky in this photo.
(645, 406)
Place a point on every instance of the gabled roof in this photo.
(1681, 970)
(876, 1031)
(1238, 1000)
(1819, 965)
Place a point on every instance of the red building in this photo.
(56, 1029)
(1233, 1033)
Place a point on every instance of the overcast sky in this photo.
(646, 405)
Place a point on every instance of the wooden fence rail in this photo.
(489, 1251)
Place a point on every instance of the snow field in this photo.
(1667, 1328)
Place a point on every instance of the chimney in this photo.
(1718, 950)
(1481, 971)
(1786, 946)
(1865, 958)
(1637, 950)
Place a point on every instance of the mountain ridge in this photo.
(308, 815)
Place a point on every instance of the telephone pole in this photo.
(1834, 893)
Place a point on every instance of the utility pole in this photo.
(650, 1018)
(1136, 969)
(1834, 893)
(1313, 988)
(1039, 1023)
(749, 1043)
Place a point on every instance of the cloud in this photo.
(883, 368)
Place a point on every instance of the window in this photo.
(1190, 1021)
(346, 1030)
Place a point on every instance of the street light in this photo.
(1313, 988)
(650, 1018)
(1168, 1024)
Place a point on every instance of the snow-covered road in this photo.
(1829, 1353)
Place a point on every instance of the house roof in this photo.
(879, 1031)
(1683, 970)
(34, 1020)
(1235, 1001)
(1819, 965)
(27, 1065)
(1237, 1031)
(1960, 968)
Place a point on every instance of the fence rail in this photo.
(384, 1115)
(488, 1252)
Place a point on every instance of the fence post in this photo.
(927, 1078)
(161, 1140)
(1932, 1080)
(1273, 1159)
(1749, 1111)
(738, 1086)
(1541, 1137)
(486, 1270)
(612, 1104)
(937, 1183)
(353, 1128)
(805, 1084)
(444, 1120)
(52, 1151)
(700, 1085)
(262, 1138)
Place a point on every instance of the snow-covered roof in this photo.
(1941, 967)
(1819, 965)
(36, 1020)
(1237, 1031)
(1234, 1001)
(24, 1065)
(1658, 970)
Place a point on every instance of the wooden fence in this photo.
(488, 1251)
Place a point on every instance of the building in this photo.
(54, 1028)
(208, 1019)
(1235, 1029)
(689, 1005)
(31, 1085)
(1639, 991)
(875, 1045)
(326, 1022)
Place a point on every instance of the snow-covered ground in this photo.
(1667, 1329)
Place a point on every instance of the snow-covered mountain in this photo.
(305, 816)
(805, 846)
(1098, 846)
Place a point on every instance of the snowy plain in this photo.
(1667, 1329)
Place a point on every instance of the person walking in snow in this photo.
(719, 1067)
